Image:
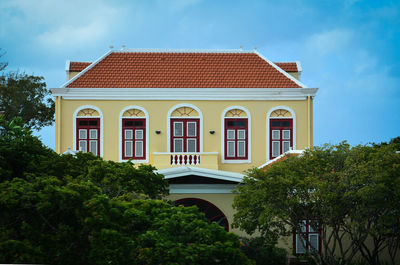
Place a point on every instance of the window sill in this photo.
(236, 161)
(135, 161)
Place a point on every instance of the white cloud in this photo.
(70, 35)
(365, 62)
(329, 41)
(60, 23)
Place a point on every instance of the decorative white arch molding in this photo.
(101, 125)
(146, 117)
(268, 122)
(248, 160)
(169, 116)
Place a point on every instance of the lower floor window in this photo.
(236, 139)
(281, 134)
(133, 138)
(308, 238)
(88, 135)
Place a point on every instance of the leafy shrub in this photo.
(264, 254)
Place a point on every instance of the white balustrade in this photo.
(185, 159)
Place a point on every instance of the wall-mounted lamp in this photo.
(158, 132)
(212, 132)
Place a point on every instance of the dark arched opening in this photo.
(212, 213)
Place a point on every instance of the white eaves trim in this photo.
(184, 93)
(281, 70)
(85, 70)
(176, 172)
(299, 152)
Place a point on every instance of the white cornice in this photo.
(184, 93)
(176, 172)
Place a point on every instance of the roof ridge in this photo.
(167, 50)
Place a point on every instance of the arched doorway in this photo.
(212, 213)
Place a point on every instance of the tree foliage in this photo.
(83, 210)
(352, 194)
(3, 65)
(26, 96)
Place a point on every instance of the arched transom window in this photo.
(133, 144)
(281, 133)
(236, 135)
(88, 131)
(185, 130)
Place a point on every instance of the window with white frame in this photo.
(307, 238)
(185, 135)
(236, 139)
(133, 138)
(281, 136)
(88, 135)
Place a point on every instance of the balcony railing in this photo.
(183, 159)
(204, 159)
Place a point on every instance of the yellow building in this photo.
(201, 117)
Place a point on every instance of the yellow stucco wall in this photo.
(212, 114)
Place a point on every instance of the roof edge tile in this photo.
(282, 71)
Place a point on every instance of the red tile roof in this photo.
(182, 70)
(78, 66)
(288, 67)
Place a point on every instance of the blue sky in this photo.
(349, 49)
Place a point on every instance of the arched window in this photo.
(88, 131)
(281, 125)
(185, 129)
(134, 134)
(212, 213)
(236, 135)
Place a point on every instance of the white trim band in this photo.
(185, 93)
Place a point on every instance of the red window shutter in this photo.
(280, 137)
(133, 138)
(185, 135)
(236, 139)
(88, 135)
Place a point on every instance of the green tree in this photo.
(351, 193)
(3, 65)
(83, 210)
(26, 96)
(374, 175)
